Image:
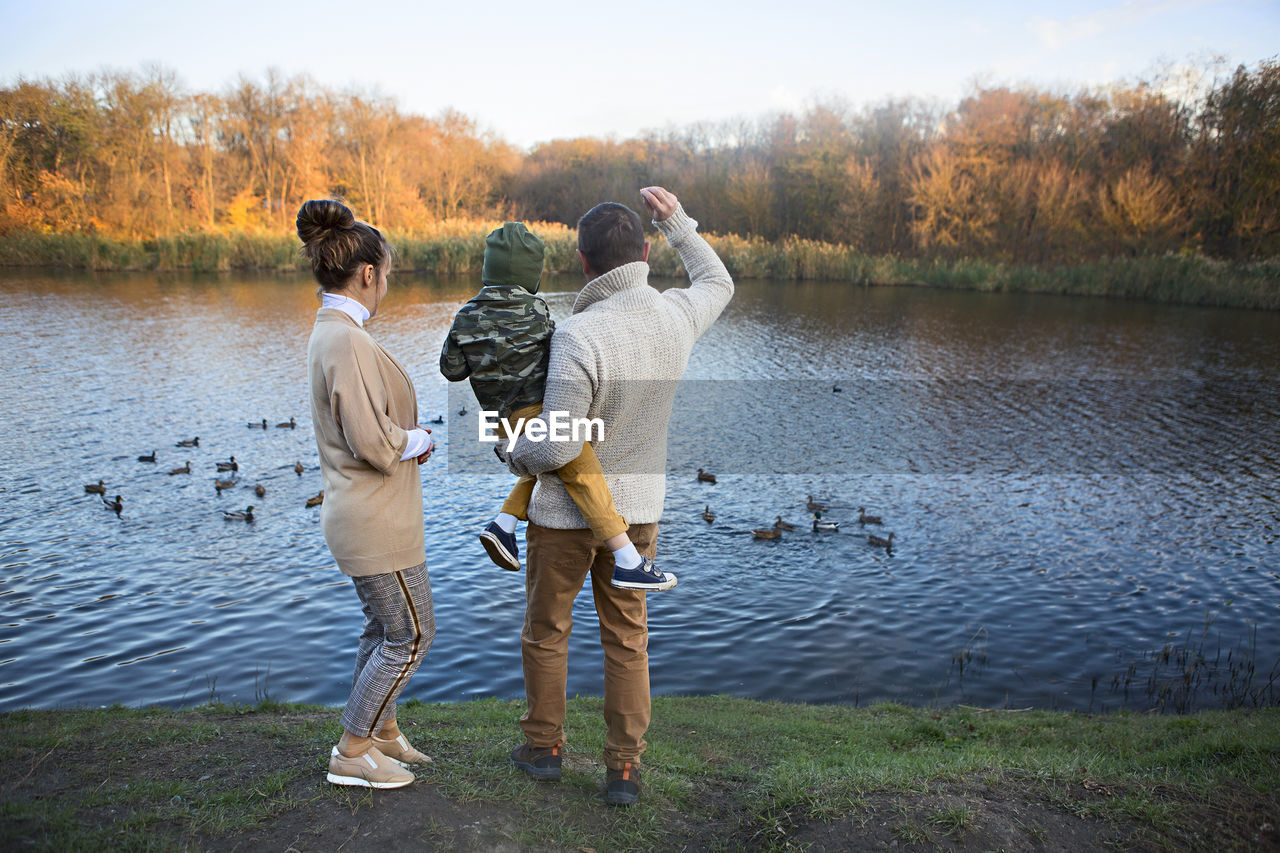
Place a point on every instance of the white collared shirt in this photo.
(346, 305)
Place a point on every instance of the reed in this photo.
(457, 247)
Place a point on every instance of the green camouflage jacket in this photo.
(502, 340)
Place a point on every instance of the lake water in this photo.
(1083, 496)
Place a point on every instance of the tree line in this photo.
(1016, 174)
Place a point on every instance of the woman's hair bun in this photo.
(318, 216)
(336, 243)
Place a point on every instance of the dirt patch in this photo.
(414, 818)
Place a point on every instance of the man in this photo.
(618, 358)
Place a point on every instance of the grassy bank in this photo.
(458, 247)
(720, 774)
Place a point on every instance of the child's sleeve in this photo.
(453, 361)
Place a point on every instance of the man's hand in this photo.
(661, 203)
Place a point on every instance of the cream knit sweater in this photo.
(619, 358)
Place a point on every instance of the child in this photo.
(501, 339)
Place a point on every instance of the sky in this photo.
(531, 72)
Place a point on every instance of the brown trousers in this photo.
(558, 562)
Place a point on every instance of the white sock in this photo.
(627, 556)
(507, 522)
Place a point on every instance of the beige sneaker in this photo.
(371, 770)
(399, 751)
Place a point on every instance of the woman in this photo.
(365, 415)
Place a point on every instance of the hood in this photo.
(513, 255)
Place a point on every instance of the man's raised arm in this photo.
(711, 286)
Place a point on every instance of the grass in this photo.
(724, 772)
(457, 246)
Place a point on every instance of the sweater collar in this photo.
(626, 277)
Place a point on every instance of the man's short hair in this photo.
(610, 235)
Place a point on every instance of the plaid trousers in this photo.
(398, 628)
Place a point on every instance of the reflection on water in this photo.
(1082, 493)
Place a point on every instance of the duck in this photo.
(766, 533)
(820, 526)
(462, 412)
(707, 515)
(222, 485)
(886, 544)
(814, 506)
(92, 489)
(236, 515)
(290, 424)
(151, 458)
(115, 505)
(439, 419)
(297, 467)
(185, 469)
(257, 425)
(863, 518)
(704, 477)
(229, 465)
(189, 442)
(260, 490)
(317, 500)
(782, 525)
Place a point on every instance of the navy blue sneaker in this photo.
(643, 576)
(501, 546)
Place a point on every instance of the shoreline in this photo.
(457, 248)
(720, 773)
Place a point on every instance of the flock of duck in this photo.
(820, 525)
(229, 466)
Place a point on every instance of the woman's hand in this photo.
(426, 454)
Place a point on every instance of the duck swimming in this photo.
(189, 442)
(114, 505)
(231, 515)
(99, 489)
(766, 533)
(707, 515)
(229, 465)
(185, 469)
(317, 500)
(814, 506)
(886, 544)
(704, 477)
(820, 526)
(257, 425)
(782, 525)
(291, 424)
(297, 467)
(151, 458)
(863, 518)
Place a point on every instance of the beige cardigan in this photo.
(362, 403)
